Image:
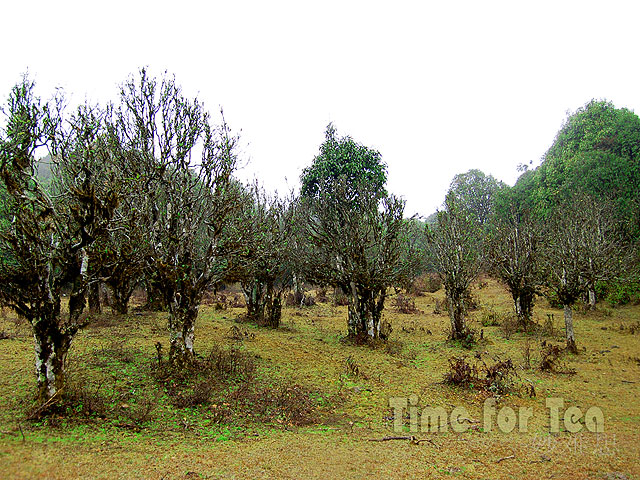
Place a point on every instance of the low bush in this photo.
(496, 378)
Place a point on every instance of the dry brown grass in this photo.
(308, 352)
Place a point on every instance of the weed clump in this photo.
(494, 379)
(405, 304)
(550, 359)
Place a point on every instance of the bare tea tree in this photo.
(581, 248)
(513, 252)
(457, 249)
(186, 169)
(46, 242)
(608, 257)
(268, 263)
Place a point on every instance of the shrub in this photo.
(552, 298)
(490, 318)
(429, 282)
(495, 379)
(404, 304)
(623, 293)
(550, 359)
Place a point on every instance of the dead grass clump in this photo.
(405, 304)
(631, 329)
(236, 302)
(490, 318)
(195, 383)
(550, 359)
(495, 379)
(4, 335)
(238, 334)
(352, 366)
(509, 325)
(283, 404)
(429, 282)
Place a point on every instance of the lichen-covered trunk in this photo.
(51, 348)
(273, 309)
(568, 324)
(95, 306)
(254, 298)
(365, 311)
(182, 322)
(156, 301)
(523, 305)
(120, 303)
(264, 303)
(456, 315)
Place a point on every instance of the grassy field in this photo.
(298, 402)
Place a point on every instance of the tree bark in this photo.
(156, 301)
(365, 311)
(182, 321)
(456, 314)
(568, 323)
(254, 298)
(120, 303)
(592, 298)
(95, 306)
(273, 310)
(51, 348)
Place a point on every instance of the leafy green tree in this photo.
(343, 159)
(476, 191)
(596, 152)
(355, 231)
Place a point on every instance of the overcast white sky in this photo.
(437, 87)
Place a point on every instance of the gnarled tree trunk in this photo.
(51, 348)
(365, 311)
(254, 298)
(456, 314)
(592, 297)
(264, 303)
(183, 313)
(523, 304)
(95, 306)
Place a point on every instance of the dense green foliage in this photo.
(596, 152)
(344, 158)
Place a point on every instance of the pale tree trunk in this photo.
(51, 348)
(568, 323)
(592, 298)
(182, 321)
(253, 295)
(52, 338)
(298, 291)
(365, 311)
(264, 303)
